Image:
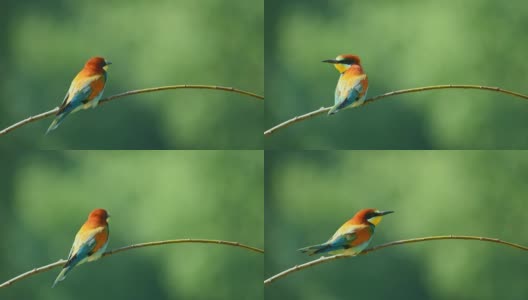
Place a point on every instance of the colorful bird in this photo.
(352, 237)
(90, 242)
(352, 86)
(85, 90)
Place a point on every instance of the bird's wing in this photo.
(350, 235)
(87, 241)
(350, 88)
(63, 104)
(81, 91)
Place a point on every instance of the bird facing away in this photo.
(352, 85)
(85, 90)
(90, 242)
(352, 237)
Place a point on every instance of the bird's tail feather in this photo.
(333, 110)
(337, 107)
(68, 266)
(57, 121)
(348, 103)
(62, 275)
(312, 250)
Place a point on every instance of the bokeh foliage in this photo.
(403, 44)
(151, 196)
(151, 44)
(483, 193)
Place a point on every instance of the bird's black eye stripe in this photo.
(348, 61)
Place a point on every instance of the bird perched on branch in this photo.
(85, 91)
(90, 242)
(352, 86)
(352, 237)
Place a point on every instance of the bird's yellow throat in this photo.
(375, 220)
(341, 67)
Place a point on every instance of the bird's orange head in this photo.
(98, 216)
(369, 215)
(97, 64)
(344, 62)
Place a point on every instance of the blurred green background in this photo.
(210, 42)
(152, 196)
(403, 44)
(310, 194)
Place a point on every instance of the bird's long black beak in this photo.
(108, 63)
(331, 61)
(385, 212)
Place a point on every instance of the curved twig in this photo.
(323, 259)
(201, 241)
(394, 93)
(129, 93)
(108, 253)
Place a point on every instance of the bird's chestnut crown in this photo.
(99, 214)
(98, 63)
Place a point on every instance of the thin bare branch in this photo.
(394, 93)
(149, 244)
(129, 93)
(296, 119)
(372, 249)
(108, 253)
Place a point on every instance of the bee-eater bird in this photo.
(89, 244)
(352, 237)
(352, 86)
(85, 90)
